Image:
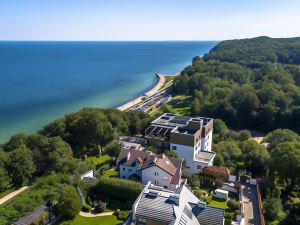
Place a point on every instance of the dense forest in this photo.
(250, 83)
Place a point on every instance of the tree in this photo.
(20, 165)
(113, 149)
(273, 209)
(281, 135)
(195, 107)
(218, 160)
(244, 135)
(58, 151)
(69, 203)
(285, 161)
(256, 157)
(165, 108)
(91, 128)
(5, 179)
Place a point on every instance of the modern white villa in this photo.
(145, 166)
(190, 137)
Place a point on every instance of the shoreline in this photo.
(159, 84)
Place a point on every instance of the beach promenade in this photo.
(151, 92)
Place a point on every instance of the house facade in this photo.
(158, 206)
(190, 137)
(145, 166)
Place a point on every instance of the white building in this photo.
(159, 206)
(145, 166)
(190, 137)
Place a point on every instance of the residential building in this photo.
(158, 206)
(145, 166)
(217, 172)
(190, 137)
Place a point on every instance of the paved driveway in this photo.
(250, 203)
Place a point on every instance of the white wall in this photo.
(186, 153)
(127, 171)
(157, 176)
(206, 142)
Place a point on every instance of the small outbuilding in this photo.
(221, 194)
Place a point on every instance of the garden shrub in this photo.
(119, 188)
(233, 205)
(86, 208)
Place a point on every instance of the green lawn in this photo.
(217, 203)
(111, 173)
(101, 220)
(100, 160)
(181, 105)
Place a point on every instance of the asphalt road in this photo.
(250, 203)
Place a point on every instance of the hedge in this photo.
(119, 188)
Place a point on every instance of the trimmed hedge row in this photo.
(119, 188)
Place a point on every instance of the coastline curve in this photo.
(151, 92)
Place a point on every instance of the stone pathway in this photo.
(91, 214)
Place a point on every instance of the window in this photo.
(174, 147)
(199, 167)
(123, 177)
(156, 173)
(123, 169)
(165, 186)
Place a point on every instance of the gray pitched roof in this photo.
(157, 208)
(208, 215)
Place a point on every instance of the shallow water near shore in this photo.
(42, 81)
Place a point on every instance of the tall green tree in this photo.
(68, 204)
(20, 165)
(281, 135)
(195, 107)
(285, 161)
(256, 157)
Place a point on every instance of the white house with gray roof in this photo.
(158, 206)
(145, 166)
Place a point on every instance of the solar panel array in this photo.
(36, 215)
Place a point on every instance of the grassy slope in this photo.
(181, 105)
(100, 160)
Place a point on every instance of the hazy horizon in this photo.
(133, 20)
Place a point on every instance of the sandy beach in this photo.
(151, 92)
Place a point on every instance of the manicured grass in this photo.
(111, 173)
(218, 203)
(101, 220)
(100, 160)
(181, 105)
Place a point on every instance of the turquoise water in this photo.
(42, 81)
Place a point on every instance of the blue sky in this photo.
(147, 19)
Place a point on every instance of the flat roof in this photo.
(205, 156)
(174, 120)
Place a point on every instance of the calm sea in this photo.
(42, 81)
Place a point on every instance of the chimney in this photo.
(175, 199)
(128, 156)
(202, 205)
